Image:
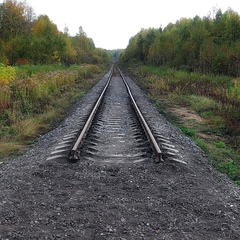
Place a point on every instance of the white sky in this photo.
(112, 23)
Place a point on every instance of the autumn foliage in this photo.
(32, 91)
(25, 38)
(7, 75)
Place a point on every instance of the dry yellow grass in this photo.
(10, 148)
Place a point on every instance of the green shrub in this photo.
(220, 145)
(188, 131)
(229, 168)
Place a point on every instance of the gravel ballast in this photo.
(56, 199)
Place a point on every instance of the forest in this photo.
(209, 45)
(27, 39)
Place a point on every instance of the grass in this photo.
(211, 138)
(18, 128)
(190, 132)
(31, 70)
(10, 148)
(202, 104)
(220, 145)
(201, 144)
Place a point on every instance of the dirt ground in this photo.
(185, 114)
(56, 199)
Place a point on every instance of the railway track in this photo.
(115, 130)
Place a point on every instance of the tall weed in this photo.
(31, 94)
(7, 75)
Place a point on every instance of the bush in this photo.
(188, 131)
(7, 75)
(220, 145)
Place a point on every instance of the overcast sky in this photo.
(112, 23)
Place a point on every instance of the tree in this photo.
(13, 22)
(44, 27)
(232, 27)
(207, 53)
(84, 47)
(70, 54)
(206, 44)
(48, 42)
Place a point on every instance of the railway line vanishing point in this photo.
(115, 130)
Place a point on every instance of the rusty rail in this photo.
(74, 153)
(145, 126)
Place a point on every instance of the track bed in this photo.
(56, 199)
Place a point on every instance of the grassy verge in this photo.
(205, 119)
(40, 102)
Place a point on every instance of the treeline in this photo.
(207, 45)
(25, 38)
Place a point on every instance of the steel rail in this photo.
(74, 153)
(143, 122)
